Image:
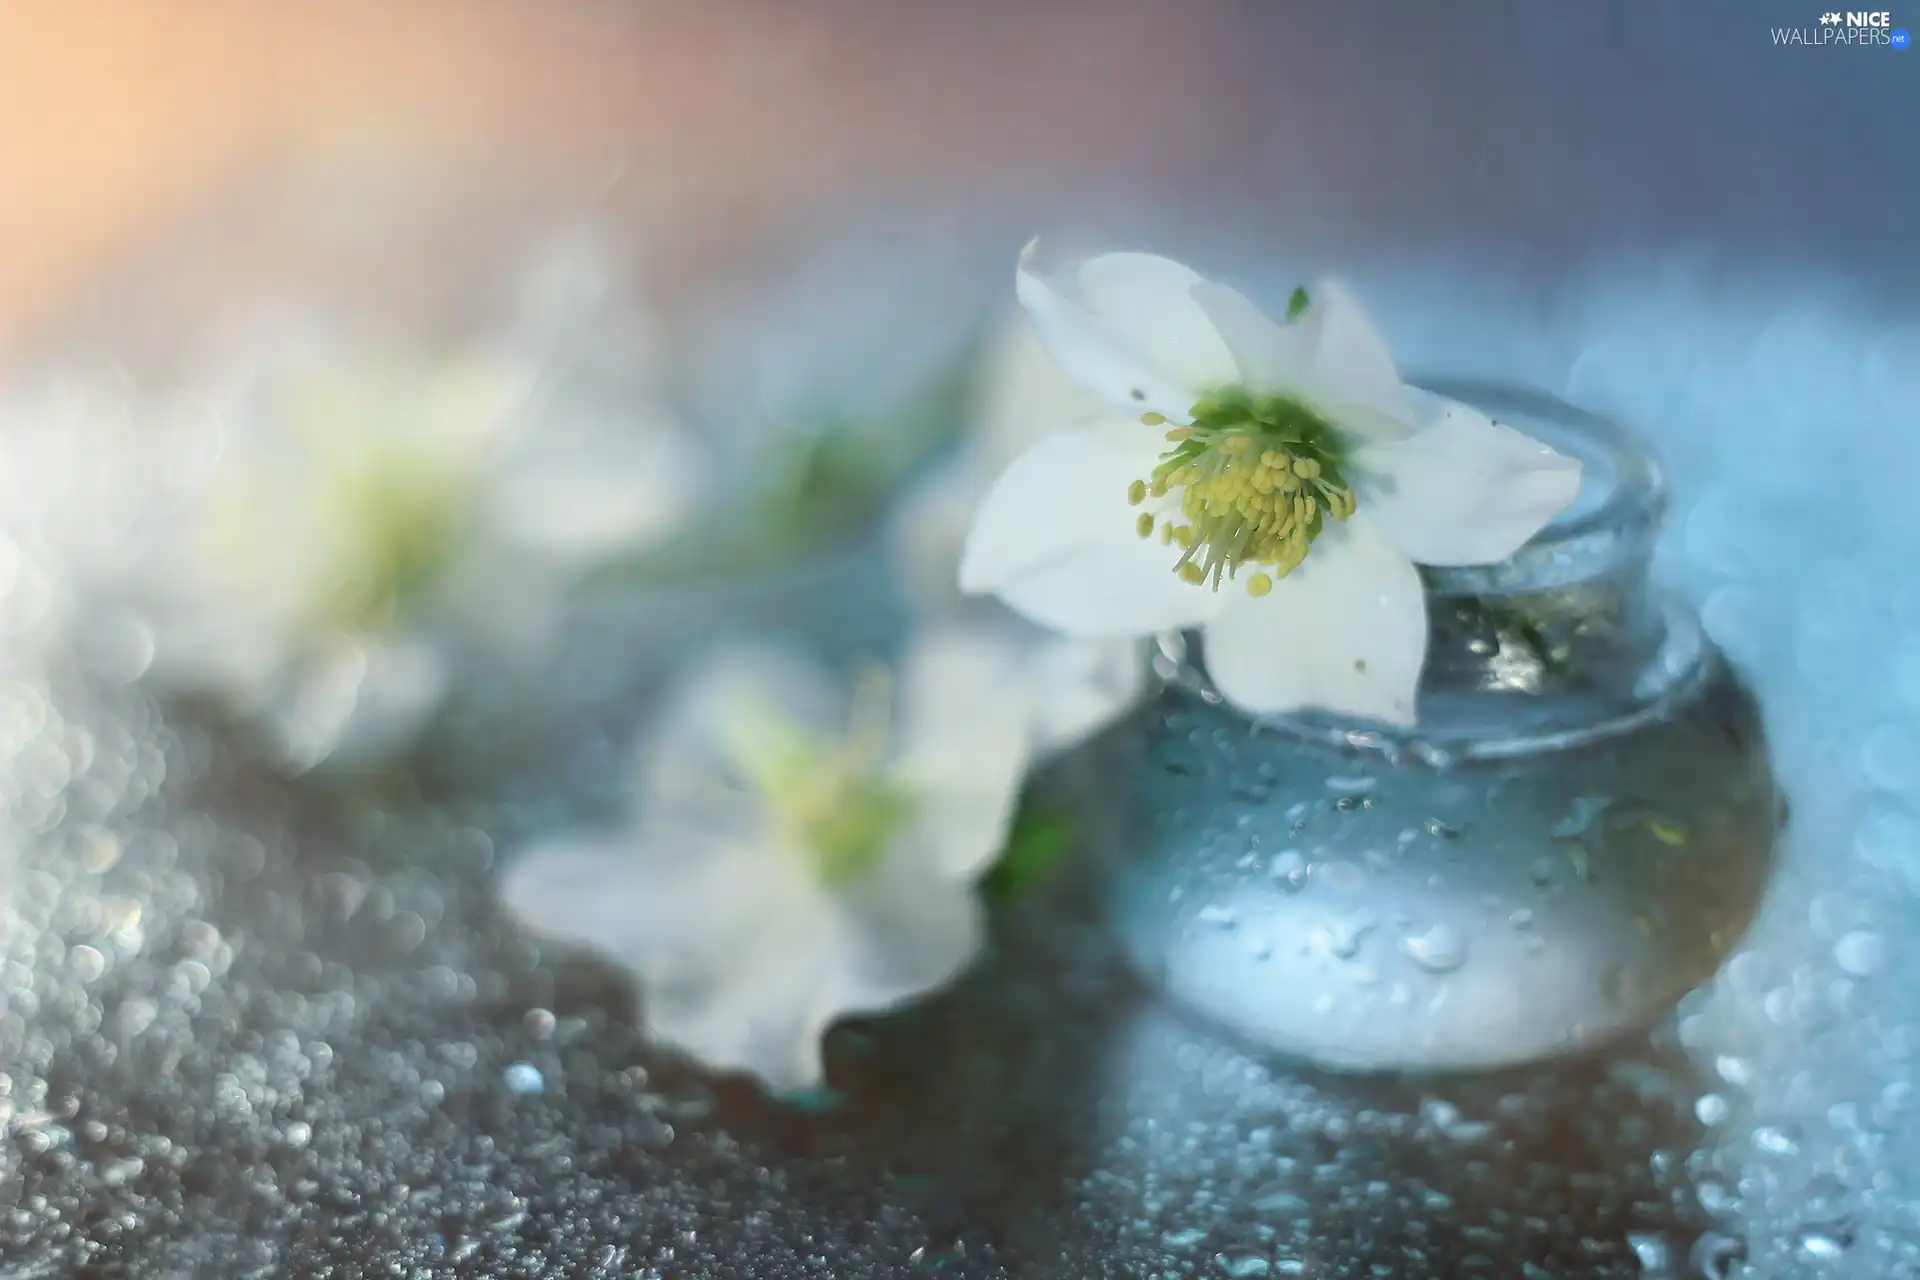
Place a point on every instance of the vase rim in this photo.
(1613, 520)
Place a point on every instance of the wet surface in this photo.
(251, 1030)
(249, 1027)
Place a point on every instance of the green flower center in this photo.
(835, 799)
(1257, 477)
(401, 518)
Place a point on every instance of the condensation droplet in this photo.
(1441, 949)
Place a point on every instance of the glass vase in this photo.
(1576, 832)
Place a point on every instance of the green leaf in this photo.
(1297, 304)
(1039, 838)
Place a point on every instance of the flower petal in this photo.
(1465, 490)
(1064, 496)
(690, 763)
(1121, 590)
(574, 491)
(1125, 325)
(401, 686)
(905, 929)
(1270, 357)
(1351, 374)
(1346, 632)
(1024, 393)
(963, 743)
(737, 948)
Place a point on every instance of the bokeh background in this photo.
(1651, 208)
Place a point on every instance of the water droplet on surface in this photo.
(1713, 1255)
(1441, 949)
(1711, 1109)
(1820, 1247)
(1651, 1251)
(1774, 1141)
(1247, 1266)
(524, 1077)
(1733, 1070)
(1861, 953)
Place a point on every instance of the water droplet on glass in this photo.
(1441, 949)
(1711, 1109)
(1218, 917)
(1580, 815)
(1774, 1141)
(1346, 933)
(1343, 877)
(1290, 869)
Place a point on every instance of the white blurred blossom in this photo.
(316, 540)
(1073, 687)
(1287, 458)
(799, 852)
(366, 524)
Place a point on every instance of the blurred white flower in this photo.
(315, 546)
(797, 854)
(1295, 453)
(1074, 686)
(82, 471)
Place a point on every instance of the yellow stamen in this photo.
(1255, 479)
(1144, 525)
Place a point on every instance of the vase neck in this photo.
(1562, 641)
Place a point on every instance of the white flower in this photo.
(1297, 464)
(83, 471)
(364, 523)
(1074, 686)
(791, 860)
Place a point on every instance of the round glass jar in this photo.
(1578, 829)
